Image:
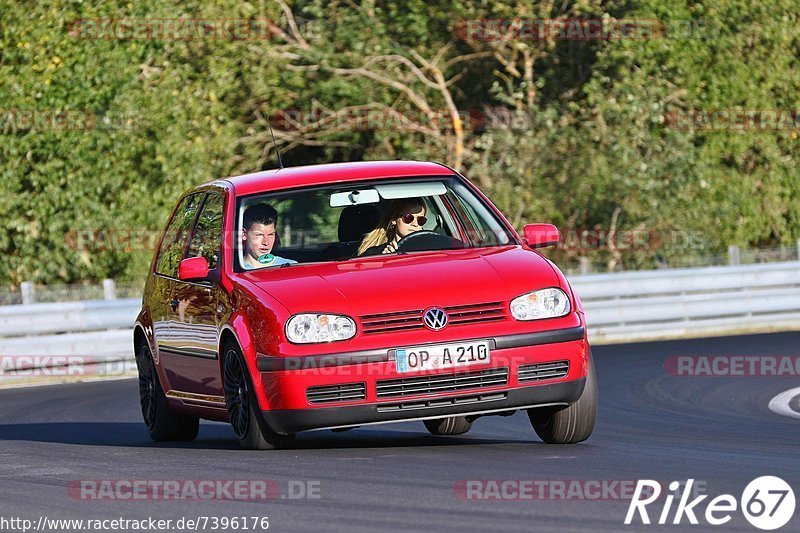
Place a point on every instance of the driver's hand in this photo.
(390, 248)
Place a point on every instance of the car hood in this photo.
(407, 282)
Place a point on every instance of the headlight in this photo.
(308, 328)
(545, 303)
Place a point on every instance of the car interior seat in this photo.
(355, 221)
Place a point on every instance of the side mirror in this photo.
(193, 269)
(540, 235)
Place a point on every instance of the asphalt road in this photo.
(718, 431)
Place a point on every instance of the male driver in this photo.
(258, 237)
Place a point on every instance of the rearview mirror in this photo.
(540, 235)
(356, 197)
(193, 269)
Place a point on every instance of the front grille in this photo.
(398, 388)
(411, 320)
(337, 393)
(543, 371)
(441, 402)
(391, 322)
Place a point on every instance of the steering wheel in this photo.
(426, 240)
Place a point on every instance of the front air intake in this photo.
(346, 392)
(543, 371)
(436, 383)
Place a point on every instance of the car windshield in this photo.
(344, 222)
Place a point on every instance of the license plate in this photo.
(454, 355)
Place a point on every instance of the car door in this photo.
(193, 358)
(171, 251)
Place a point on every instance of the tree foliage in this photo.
(578, 138)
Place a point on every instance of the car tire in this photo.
(162, 424)
(243, 411)
(571, 424)
(453, 425)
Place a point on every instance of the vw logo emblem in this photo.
(435, 318)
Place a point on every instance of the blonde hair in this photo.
(386, 229)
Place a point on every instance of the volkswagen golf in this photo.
(341, 295)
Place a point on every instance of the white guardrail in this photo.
(620, 307)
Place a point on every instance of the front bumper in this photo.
(287, 421)
(286, 383)
(505, 342)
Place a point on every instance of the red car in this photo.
(336, 296)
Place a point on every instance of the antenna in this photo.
(280, 161)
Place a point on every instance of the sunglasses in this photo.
(408, 218)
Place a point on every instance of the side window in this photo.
(483, 228)
(207, 235)
(176, 234)
(466, 217)
(439, 219)
(474, 222)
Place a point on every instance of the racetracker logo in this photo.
(177, 29)
(767, 503)
(546, 489)
(26, 120)
(378, 118)
(727, 366)
(579, 29)
(63, 365)
(733, 120)
(193, 489)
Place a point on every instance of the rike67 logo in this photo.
(767, 503)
